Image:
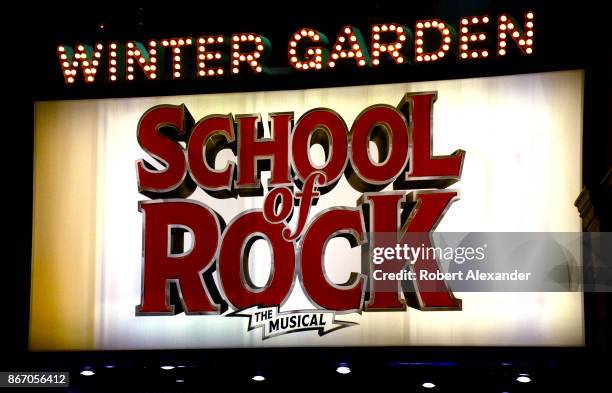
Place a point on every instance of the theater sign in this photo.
(262, 219)
(308, 50)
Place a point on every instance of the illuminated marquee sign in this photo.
(308, 49)
(403, 137)
(229, 220)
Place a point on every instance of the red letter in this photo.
(165, 260)
(335, 222)
(209, 136)
(387, 128)
(235, 279)
(427, 209)
(325, 127)
(279, 197)
(256, 153)
(159, 131)
(426, 170)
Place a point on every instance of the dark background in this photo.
(573, 35)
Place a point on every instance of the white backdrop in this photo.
(522, 171)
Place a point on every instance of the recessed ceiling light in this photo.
(343, 370)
